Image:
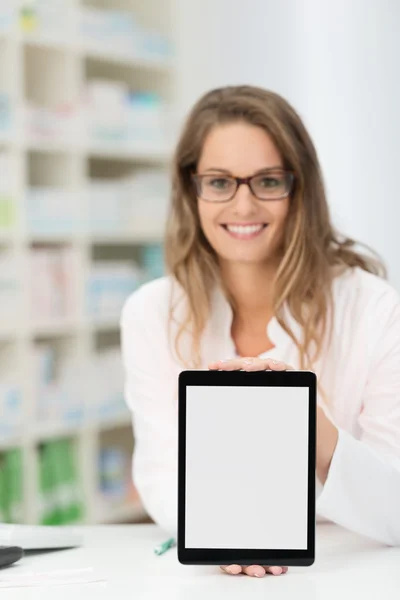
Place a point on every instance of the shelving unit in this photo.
(50, 68)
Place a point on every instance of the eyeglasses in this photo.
(274, 184)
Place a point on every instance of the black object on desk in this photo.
(10, 555)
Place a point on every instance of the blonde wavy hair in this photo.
(312, 248)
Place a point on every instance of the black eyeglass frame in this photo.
(290, 175)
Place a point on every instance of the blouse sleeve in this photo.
(150, 392)
(362, 490)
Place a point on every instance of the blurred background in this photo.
(92, 95)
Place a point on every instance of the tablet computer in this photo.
(246, 467)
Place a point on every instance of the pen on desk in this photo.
(162, 548)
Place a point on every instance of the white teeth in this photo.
(244, 229)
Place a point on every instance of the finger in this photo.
(264, 364)
(254, 571)
(230, 364)
(276, 570)
(232, 569)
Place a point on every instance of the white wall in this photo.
(338, 63)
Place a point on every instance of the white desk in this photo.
(347, 566)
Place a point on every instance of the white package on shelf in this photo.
(52, 211)
(107, 207)
(59, 396)
(57, 124)
(107, 387)
(111, 31)
(146, 116)
(10, 290)
(6, 114)
(109, 284)
(105, 111)
(8, 181)
(50, 18)
(8, 15)
(53, 283)
(149, 201)
(11, 410)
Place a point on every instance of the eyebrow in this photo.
(259, 172)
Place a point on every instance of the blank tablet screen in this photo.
(246, 467)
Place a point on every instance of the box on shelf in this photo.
(120, 33)
(6, 115)
(8, 209)
(136, 205)
(61, 499)
(114, 473)
(52, 18)
(11, 410)
(107, 400)
(11, 486)
(149, 191)
(72, 392)
(109, 284)
(10, 290)
(152, 261)
(120, 118)
(59, 125)
(60, 389)
(53, 284)
(54, 211)
(8, 15)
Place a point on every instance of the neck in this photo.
(250, 285)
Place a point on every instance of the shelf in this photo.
(125, 154)
(49, 431)
(54, 238)
(52, 69)
(47, 41)
(127, 239)
(138, 62)
(124, 420)
(100, 53)
(57, 327)
(106, 324)
(12, 442)
(125, 512)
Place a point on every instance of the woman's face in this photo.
(243, 229)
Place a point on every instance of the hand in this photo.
(251, 364)
(254, 570)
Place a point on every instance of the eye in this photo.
(219, 183)
(269, 182)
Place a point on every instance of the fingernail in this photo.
(276, 570)
(233, 570)
(259, 573)
(248, 362)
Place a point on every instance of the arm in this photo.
(362, 488)
(150, 386)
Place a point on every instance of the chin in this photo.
(245, 257)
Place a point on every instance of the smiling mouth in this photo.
(245, 232)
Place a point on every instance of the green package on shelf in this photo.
(50, 513)
(14, 484)
(4, 512)
(75, 507)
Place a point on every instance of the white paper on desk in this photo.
(45, 578)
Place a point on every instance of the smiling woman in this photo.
(259, 277)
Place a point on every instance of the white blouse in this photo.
(359, 371)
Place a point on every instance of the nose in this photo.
(244, 202)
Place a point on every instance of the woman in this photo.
(258, 274)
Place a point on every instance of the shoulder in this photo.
(364, 295)
(150, 304)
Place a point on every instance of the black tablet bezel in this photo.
(221, 556)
